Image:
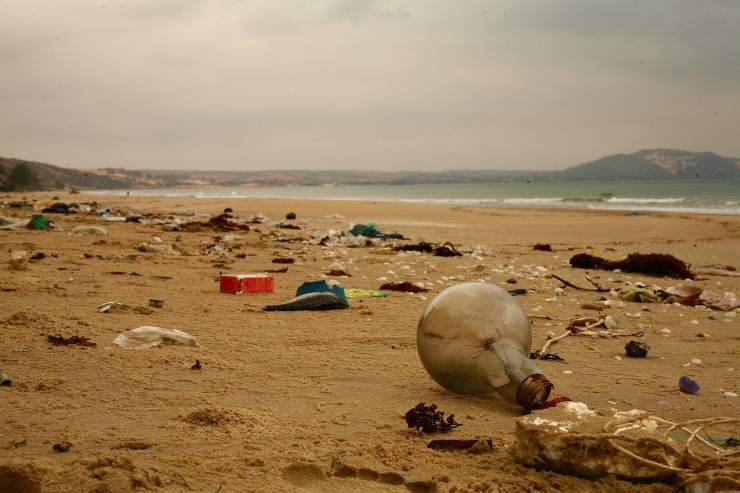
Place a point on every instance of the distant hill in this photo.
(655, 164)
(55, 177)
(650, 164)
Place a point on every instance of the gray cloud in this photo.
(365, 84)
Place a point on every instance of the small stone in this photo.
(567, 372)
(695, 361)
(61, 447)
(666, 331)
(636, 349)
(729, 394)
(5, 380)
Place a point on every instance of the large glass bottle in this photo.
(474, 338)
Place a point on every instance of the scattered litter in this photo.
(655, 264)
(370, 230)
(687, 385)
(157, 248)
(18, 260)
(543, 247)
(38, 223)
(61, 447)
(427, 419)
(89, 230)
(60, 340)
(310, 301)
(472, 319)
(246, 283)
(148, 337)
(223, 222)
(361, 293)
(405, 286)
(439, 250)
(638, 295)
(321, 286)
(545, 357)
(636, 349)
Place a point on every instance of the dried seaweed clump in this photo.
(654, 264)
(428, 419)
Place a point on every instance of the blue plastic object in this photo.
(687, 385)
(320, 287)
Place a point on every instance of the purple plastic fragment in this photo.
(687, 385)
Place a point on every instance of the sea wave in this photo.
(649, 200)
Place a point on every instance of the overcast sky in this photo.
(368, 84)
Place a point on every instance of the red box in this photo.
(230, 283)
(246, 283)
(257, 283)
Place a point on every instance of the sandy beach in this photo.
(282, 396)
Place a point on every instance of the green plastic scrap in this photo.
(38, 222)
(360, 293)
(638, 295)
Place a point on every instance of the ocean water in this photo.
(689, 196)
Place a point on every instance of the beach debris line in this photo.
(149, 336)
(445, 249)
(428, 419)
(310, 301)
(654, 264)
(76, 340)
(405, 286)
(470, 319)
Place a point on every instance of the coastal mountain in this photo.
(648, 164)
(656, 164)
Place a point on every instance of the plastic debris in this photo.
(157, 248)
(310, 301)
(636, 349)
(38, 223)
(370, 230)
(246, 283)
(444, 250)
(687, 385)
(361, 293)
(147, 337)
(321, 286)
(89, 230)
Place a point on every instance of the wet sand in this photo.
(281, 396)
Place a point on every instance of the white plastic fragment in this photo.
(148, 336)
